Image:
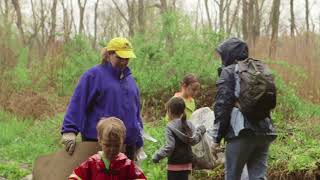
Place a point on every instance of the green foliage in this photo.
(151, 170)
(12, 171)
(23, 141)
(78, 56)
(164, 56)
(157, 69)
(296, 147)
(21, 73)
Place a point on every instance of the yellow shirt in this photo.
(190, 105)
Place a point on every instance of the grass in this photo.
(23, 140)
(296, 148)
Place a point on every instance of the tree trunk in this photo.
(163, 6)
(251, 25)
(221, 15)
(141, 19)
(234, 16)
(275, 25)
(131, 16)
(53, 22)
(73, 22)
(292, 19)
(81, 10)
(95, 23)
(16, 6)
(307, 19)
(66, 22)
(257, 21)
(208, 14)
(245, 20)
(42, 24)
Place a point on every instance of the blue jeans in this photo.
(252, 151)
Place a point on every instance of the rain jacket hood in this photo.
(231, 50)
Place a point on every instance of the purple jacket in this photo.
(101, 93)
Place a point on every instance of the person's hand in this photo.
(69, 141)
(155, 160)
(202, 129)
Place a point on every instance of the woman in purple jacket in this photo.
(105, 90)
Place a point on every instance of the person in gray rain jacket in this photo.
(247, 139)
(180, 136)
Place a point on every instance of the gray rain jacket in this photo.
(178, 144)
(230, 121)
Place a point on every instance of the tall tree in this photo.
(16, 6)
(130, 19)
(292, 19)
(82, 7)
(245, 19)
(141, 16)
(53, 21)
(275, 26)
(208, 14)
(95, 23)
(234, 17)
(222, 4)
(307, 18)
(43, 18)
(131, 16)
(67, 25)
(251, 25)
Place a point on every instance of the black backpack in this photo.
(257, 95)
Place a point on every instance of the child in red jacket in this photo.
(109, 163)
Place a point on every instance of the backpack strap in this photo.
(237, 81)
(237, 85)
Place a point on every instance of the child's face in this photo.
(111, 148)
(192, 90)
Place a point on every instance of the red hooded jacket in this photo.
(120, 168)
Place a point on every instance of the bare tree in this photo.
(36, 26)
(82, 9)
(67, 25)
(307, 18)
(43, 18)
(141, 16)
(251, 25)
(131, 16)
(292, 19)
(257, 20)
(16, 6)
(73, 22)
(208, 14)
(6, 12)
(163, 6)
(254, 21)
(275, 25)
(245, 19)
(234, 16)
(130, 19)
(95, 23)
(53, 22)
(222, 4)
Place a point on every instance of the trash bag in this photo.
(202, 154)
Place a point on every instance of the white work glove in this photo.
(69, 141)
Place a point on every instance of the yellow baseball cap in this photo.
(122, 47)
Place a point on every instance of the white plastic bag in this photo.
(203, 157)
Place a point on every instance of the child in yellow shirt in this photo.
(190, 86)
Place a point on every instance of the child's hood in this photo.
(176, 127)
